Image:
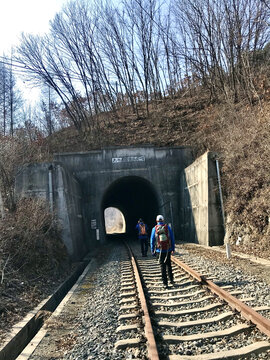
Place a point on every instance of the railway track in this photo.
(120, 310)
(193, 319)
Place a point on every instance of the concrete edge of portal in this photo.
(141, 146)
(22, 332)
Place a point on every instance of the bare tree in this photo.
(3, 96)
(96, 56)
(220, 36)
(118, 47)
(2, 210)
(10, 97)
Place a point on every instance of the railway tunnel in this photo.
(136, 198)
(139, 181)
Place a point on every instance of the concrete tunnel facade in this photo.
(139, 181)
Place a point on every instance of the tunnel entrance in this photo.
(115, 222)
(136, 198)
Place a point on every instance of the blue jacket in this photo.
(138, 229)
(153, 239)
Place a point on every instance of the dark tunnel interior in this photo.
(136, 198)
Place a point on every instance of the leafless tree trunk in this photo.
(2, 211)
(10, 98)
(3, 95)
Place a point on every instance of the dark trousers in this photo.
(165, 264)
(144, 245)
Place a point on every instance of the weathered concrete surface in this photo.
(32, 180)
(201, 213)
(63, 193)
(68, 203)
(140, 181)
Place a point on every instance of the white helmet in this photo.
(159, 218)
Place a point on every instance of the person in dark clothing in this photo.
(162, 242)
(142, 230)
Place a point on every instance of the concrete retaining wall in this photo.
(52, 182)
(68, 203)
(200, 203)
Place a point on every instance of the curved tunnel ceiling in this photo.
(135, 197)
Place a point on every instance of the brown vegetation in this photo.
(33, 260)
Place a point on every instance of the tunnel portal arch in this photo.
(136, 198)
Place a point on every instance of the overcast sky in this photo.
(30, 16)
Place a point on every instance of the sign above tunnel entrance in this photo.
(124, 159)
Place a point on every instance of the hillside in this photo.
(239, 133)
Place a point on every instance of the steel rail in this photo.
(247, 312)
(149, 334)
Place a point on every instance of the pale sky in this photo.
(30, 16)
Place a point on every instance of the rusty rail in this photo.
(149, 334)
(247, 312)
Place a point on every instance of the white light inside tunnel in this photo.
(114, 221)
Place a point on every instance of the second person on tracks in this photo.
(142, 230)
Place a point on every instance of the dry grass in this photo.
(33, 260)
(30, 238)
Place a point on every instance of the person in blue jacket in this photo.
(162, 242)
(142, 230)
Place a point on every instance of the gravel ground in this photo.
(86, 328)
(249, 280)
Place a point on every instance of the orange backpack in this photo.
(142, 229)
